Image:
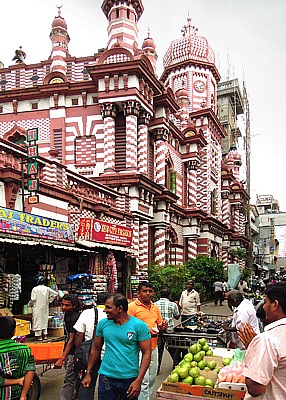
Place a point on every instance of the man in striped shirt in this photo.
(17, 366)
(169, 310)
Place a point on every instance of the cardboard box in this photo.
(50, 351)
(232, 386)
(203, 391)
(56, 332)
(23, 327)
(4, 312)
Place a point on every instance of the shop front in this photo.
(113, 260)
(32, 245)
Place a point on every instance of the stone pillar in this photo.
(108, 113)
(143, 122)
(160, 136)
(131, 112)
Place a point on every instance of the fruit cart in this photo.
(45, 355)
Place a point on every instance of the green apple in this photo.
(194, 372)
(226, 360)
(183, 372)
(209, 383)
(200, 380)
(189, 357)
(202, 364)
(173, 378)
(203, 341)
(198, 356)
(211, 364)
(188, 380)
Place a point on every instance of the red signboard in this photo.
(100, 231)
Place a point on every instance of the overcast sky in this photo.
(248, 37)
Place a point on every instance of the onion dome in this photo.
(189, 47)
(59, 22)
(148, 43)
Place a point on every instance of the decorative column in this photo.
(143, 245)
(159, 246)
(160, 136)
(131, 112)
(192, 166)
(108, 113)
(192, 248)
(241, 221)
(143, 122)
(236, 218)
(225, 208)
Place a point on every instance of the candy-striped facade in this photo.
(156, 144)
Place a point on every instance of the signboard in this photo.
(32, 167)
(104, 232)
(24, 224)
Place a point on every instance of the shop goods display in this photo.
(199, 374)
(10, 289)
(199, 358)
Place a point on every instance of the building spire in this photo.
(60, 39)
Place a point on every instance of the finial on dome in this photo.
(148, 31)
(59, 10)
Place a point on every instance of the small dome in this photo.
(183, 92)
(148, 43)
(59, 22)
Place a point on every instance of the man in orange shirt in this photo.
(144, 309)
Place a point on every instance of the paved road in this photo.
(52, 380)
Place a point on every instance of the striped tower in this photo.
(108, 112)
(60, 39)
(192, 248)
(225, 209)
(122, 18)
(159, 246)
(143, 123)
(160, 136)
(131, 112)
(143, 245)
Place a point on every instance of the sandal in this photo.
(45, 337)
(38, 339)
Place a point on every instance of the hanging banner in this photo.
(24, 224)
(100, 231)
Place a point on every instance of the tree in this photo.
(203, 270)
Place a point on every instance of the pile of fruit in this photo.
(189, 369)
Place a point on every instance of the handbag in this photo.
(81, 352)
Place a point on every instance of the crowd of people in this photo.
(128, 345)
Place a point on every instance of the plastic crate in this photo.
(50, 351)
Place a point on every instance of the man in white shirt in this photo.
(189, 302)
(243, 311)
(265, 359)
(85, 327)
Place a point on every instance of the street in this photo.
(52, 380)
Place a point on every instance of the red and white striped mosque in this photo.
(119, 144)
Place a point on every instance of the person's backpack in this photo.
(81, 353)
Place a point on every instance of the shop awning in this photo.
(41, 243)
(92, 245)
